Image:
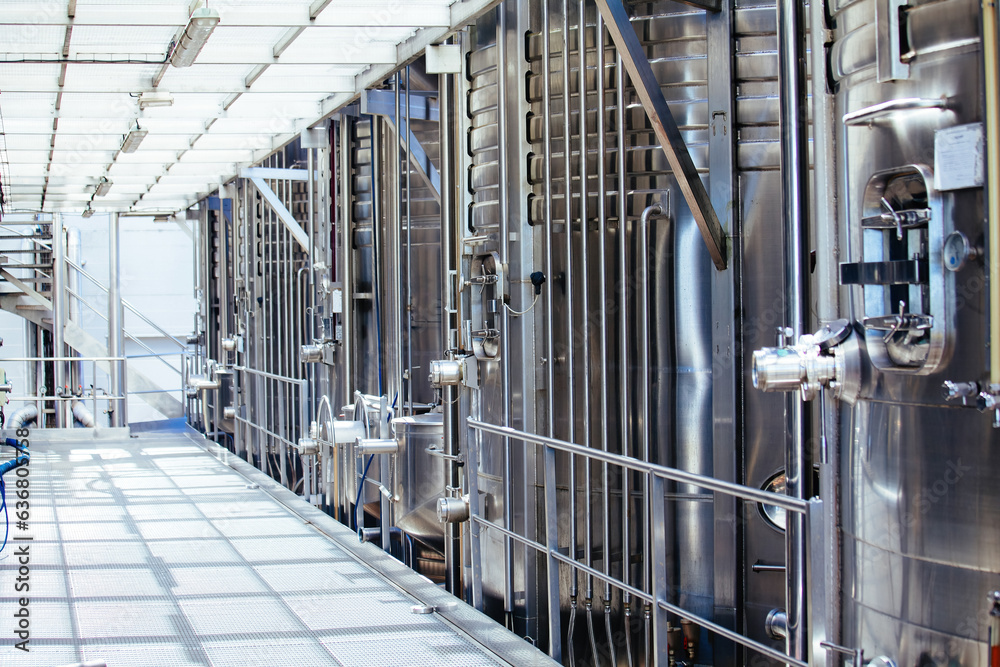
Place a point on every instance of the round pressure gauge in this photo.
(956, 251)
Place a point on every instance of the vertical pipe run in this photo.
(504, 229)
(623, 358)
(828, 624)
(59, 296)
(602, 228)
(409, 255)
(551, 509)
(794, 184)
(346, 259)
(309, 335)
(571, 383)
(116, 324)
(588, 521)
(453, 542)
(651, 502)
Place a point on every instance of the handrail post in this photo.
(116, 343)
(59, 297)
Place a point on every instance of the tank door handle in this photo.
(898, 272)
(891, 40)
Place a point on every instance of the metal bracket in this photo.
(648, 88)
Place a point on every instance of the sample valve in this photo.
(815, 362)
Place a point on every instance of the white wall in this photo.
(156, 277)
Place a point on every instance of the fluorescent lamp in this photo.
(89, 212)
(133, 140)
(199, 27)
(103, 187)
(147, 100)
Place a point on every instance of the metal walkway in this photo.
(165, 550)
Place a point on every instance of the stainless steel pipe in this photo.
(623, 356)
(793, 122)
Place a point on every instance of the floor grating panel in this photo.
(151, 551)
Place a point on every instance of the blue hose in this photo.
(357, 501)
(6, 467)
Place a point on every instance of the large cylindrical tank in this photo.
(920, 503)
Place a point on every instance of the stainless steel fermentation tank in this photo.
(522, 373)
(920, 503)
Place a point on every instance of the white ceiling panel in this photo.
(28, 38)
(102, 40)
(271, 69)
(25, 142)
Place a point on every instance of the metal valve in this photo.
(307, 447)
(370, 447)
(445, 372)
(453, 510)
(813, 363)
(316, 354)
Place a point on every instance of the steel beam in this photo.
(383, 103)
(669, 135)
(283, 213)
(275, 174)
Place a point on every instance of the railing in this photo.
(39, 274)
(137, 341)
(277, 408)
(128, 306)
(76, 267)
(93, 390)
(654, 592)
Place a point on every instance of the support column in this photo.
(116, 324)
(59, 297)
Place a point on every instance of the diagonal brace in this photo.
(648, 88)
(418, 156)
(283, 213)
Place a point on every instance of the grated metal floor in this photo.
(164, 550)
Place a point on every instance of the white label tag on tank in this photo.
(958, 157)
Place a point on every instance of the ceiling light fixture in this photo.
(134, 138)
(103, 187)
(199, 27)
(148, 100)
(89, 212)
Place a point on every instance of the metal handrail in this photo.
(655, 471)
(637, 465)
(128, 306)
(152, 352)
(99, 284)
